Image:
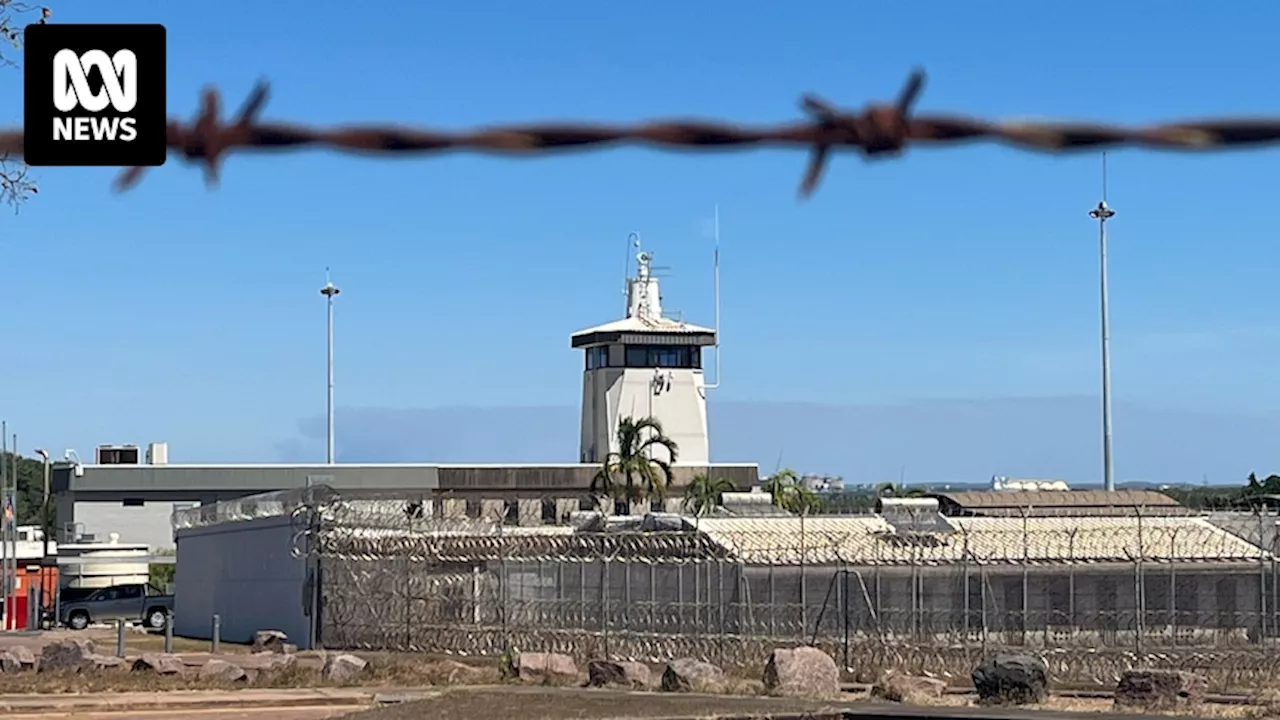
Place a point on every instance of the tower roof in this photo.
(644, 323)
(641, 331)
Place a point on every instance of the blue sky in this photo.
(177, 313)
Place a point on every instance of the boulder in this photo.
(8, 663)
(159, 663)
(17, 659)
(104, 662)
(222, 671)
(345, 668)
(452, 672)
(74, 654)
(544, 668)
(606, 673)
(272, 641)
(1152, 691)
(690, 675)
(801, 672)
(1009, 679)
(908, 688)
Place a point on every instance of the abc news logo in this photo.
(94, 95)
(71, 91)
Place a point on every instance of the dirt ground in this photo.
(559, 703)
(580, 704)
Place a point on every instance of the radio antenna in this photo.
(715, 283)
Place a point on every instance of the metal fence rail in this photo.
(878, 129)
(395, 579)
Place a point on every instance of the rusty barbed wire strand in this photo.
(879, 129)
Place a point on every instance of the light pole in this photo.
(46, 525)
(1102, 213)
(329, 291)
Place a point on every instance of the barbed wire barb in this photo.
(879, 129)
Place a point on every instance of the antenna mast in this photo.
(715, 283)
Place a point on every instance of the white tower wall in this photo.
(673, 396)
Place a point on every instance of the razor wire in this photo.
(400, 574)
(880, 129)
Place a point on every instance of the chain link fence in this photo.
(1093, 596)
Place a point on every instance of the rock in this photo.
(606, 673)
(452, 672)
(21, 653)
(272, 641)
(159, 663)
(74, 654)
(545, 668)
(222, 671)
(908, 688)
(801, 672)
(345, 668)
(8, 663)
(1160, 690)
(689, 675)
(103, 662)
(277, 663)
(1007, 679)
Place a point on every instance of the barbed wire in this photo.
(879, 129)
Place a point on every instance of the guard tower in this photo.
(644, 365)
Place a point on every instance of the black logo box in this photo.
(148, 43)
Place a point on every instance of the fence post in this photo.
(168, 632)
(604, 605)
(120, 637)
(215, 636)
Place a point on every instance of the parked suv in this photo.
(137, 603)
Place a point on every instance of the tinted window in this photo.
(664, 356)
(128, 592)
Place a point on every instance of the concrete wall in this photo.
(148, 523)
(610, 394)
(244, 572)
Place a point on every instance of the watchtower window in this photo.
(597, 357)
(664, 356)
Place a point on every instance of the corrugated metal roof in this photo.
(869, 540)
(1057, 499)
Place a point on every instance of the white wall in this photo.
(244, 572)
(148, 523)
(610, 394)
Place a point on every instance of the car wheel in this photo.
(156, 619)
(78, 621)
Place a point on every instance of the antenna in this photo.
(715, 282)
(633, 240)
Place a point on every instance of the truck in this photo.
(140, 603)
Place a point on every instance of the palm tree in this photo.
(632, 473)
(778, 484)
(790, 494)
(704, 493)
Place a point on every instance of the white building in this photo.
(644, 365)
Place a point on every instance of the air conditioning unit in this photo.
(158, 453)
(117, 455)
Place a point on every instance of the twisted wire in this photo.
(880, 129)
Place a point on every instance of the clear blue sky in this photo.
(189, 315)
